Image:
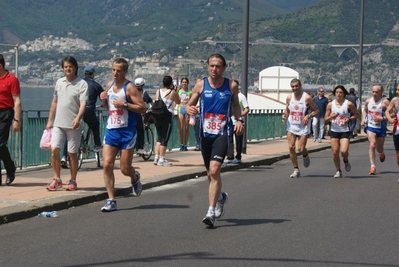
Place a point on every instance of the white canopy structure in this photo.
(274, 82)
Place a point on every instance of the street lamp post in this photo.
(361, 57)
(244, 76)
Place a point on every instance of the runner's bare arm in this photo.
(134, 95)
(315, 110)
(390, 112)
(286, 112)
(355, 113)
(195, 95)
(312, 105)
(365, 112)
(175, 97)
(104, 95)
(327, 116)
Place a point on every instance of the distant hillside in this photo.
(152, 21)
(165, 30)
(291, 5)
(325, 22)
(128, 20)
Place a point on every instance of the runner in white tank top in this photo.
(338, 112)
(123, 102)
(298, 123)
(374, 122)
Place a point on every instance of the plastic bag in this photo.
(45, 141)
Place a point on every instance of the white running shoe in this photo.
(141, 152)
(306, 161)
(219, 209)
(109, 206)
(295, 174)
(137, 187)
(338, 174)
(164, 163)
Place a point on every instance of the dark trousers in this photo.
(6, 118)
(197, 130)
(140, 132)
(90, 117)
(230, 150)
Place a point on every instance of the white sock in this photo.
(161, 159)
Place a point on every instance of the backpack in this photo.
(159, 109)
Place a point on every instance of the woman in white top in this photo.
(164, 125)
(339, 114)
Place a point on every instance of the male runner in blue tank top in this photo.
(219, 100)
(123, 101)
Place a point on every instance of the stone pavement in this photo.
(27, 196)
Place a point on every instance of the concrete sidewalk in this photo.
(27, 196)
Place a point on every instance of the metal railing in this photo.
(24, 146)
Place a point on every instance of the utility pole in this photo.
(244, 76)
(361, 57)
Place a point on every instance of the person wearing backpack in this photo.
(163, 110)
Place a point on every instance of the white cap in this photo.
(139, 82)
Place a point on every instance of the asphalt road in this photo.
(271, 220)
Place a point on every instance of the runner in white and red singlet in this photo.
(298, 123)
